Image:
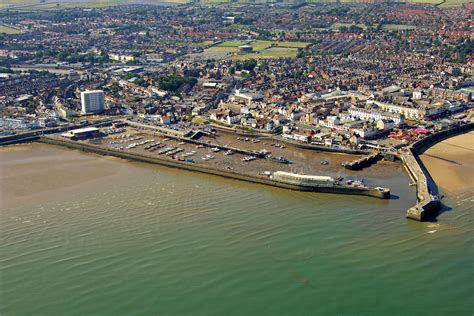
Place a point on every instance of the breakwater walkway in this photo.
(428, 203)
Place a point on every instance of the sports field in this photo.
(8, 30)
(262, 49)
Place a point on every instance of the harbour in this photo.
(89, 232)
(328, 188)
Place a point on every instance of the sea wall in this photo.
(21, 138)
(367, 191)
(428, 203)
(36, 134)
(271, 136)
(423, 144)
(324, 148)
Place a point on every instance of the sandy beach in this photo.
(450, 163)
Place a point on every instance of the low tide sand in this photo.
(33, 172)
(450, 164)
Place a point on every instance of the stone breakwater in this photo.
(427, 192)
(362, 162)
(381, 193)
(427, 195)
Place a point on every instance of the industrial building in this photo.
(82, 133)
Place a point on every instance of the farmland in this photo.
(35, 5)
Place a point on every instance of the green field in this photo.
(453, 3)
(223, 49)
(36, 5)
(397, 27)
(273, 52)
(262, 49)
(8, 30)
(231, 44)
(6, 3)
(31, 5)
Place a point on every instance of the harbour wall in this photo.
(425, 143)
(273, 137)
(426, 206)
(367, 191)
(36, 134)
(428, 203)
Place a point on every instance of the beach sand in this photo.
(451, 164)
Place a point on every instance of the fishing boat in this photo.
(248, 158)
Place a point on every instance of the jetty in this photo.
(362, 162)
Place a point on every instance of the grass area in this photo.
(7, 3)
(222, 49)
(35, 5)
(28, 6)
(453, 3)
(348, 25)
(273, 52)
(397, 27)
(103, 3)
(8, 30)
(262, 49)
(231, 44)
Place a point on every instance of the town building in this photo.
(92, 101)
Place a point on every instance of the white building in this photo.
(374, 115)
(411, 112)
(92, 101)
(122, 58)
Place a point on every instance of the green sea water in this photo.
(150, 240)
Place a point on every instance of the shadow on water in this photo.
(394, 197)
(434, 218)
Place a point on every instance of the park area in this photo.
(260, 49)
